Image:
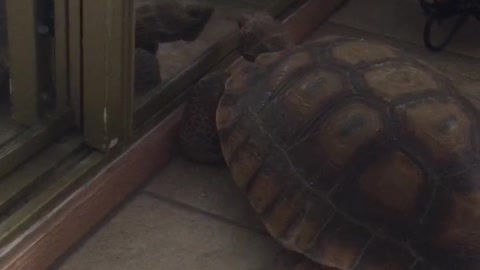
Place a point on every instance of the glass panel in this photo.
(165, 68)
(170, 22)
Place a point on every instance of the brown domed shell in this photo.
(356, 155)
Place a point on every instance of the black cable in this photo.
(440, 10)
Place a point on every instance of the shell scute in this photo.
(397, 80)
(442, 128)
(331, 146)
(301, 104)
(340, 244)
(358, 53)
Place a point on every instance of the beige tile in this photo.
(209, 188)
(149, 234)
(403, 20)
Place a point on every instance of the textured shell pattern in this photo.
(356, 155)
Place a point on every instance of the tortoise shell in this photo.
(356, 155)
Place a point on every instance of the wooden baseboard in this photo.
(68, 223)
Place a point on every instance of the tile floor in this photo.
(188, 217)
(193, 217)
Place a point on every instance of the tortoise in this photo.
(352, 152)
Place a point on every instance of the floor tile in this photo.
(149, 234)
(403, 20)
(209, 188)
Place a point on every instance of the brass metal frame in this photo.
(34, 172)
(30, 142)
(107, 72)
(31, 69)
(27, 181)
(24, 60)
(61, 55)
(74, 22)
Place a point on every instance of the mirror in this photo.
(183, 30)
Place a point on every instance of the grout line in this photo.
(60, 261)
(203, 212)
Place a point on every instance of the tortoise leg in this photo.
(194, 20)
(198, 137)
(146, 71)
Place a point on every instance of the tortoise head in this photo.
(168, 21)
(191, 20)
(260, 33)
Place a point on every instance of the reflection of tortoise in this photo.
(159, 22)
(351, 152)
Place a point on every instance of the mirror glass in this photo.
(172, 34)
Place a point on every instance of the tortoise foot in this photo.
(147, 72)
(198, 137)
